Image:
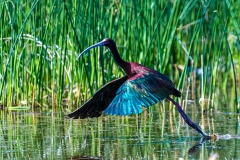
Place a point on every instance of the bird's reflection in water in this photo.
(196, 147)
(213, 137)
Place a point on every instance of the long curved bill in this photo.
(93, 46)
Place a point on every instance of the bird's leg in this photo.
(188, 120)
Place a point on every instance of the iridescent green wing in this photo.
(142, 90)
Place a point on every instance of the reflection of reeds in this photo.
(153, 135)
(40, 41)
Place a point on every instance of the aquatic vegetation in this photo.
(40, 41)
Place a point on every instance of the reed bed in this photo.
(195, 43)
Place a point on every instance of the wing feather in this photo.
(142, 90)
(100, 100)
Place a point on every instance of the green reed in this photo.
(40, 41)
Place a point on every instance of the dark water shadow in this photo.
(196, 147)
(213, 138)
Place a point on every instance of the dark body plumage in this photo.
(126, 96)
(140, 87)
(100, 100)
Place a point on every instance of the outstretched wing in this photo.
(142, 90)
(100, 100)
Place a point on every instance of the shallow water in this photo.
(153, 135)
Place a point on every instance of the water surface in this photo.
(155, 134)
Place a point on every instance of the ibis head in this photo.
(108, 42)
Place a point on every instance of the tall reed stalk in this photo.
(193, 42)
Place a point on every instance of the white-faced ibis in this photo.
(140, 87)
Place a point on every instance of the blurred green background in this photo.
(195, 43)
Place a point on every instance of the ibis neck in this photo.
(118, 59)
